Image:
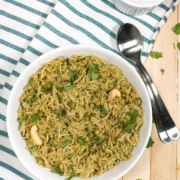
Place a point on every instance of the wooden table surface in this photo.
(162, 162)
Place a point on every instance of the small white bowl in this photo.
(132, 76)
(134, 8)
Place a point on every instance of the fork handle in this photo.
(169, 125)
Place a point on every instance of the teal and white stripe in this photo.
(29, 29)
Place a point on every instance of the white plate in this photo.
(13, 104)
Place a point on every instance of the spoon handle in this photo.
(170, 127)
(161, 131)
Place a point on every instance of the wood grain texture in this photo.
(162, 162)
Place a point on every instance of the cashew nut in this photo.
(34, 135)
(112, 94)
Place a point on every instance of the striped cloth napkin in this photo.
(29, 29)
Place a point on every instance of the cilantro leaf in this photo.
(52, 144)
(20, 119)
(175, 46)
(133, 121)
(96, 107)
(162, 70)
(93, 70)
(176, 29)
(31, 82)
(32, 98)
(81, 141)
(103, 110)
(34, 118)
(150, 143)
(129, 114)
(94, 140)
(89, 131)
(34, 148)
(178, 45)
(71, 176)
(70, 156)
(69, 168)
(115, 84)
(60, 99)
(68, 138)
(93, 76)
(57, 171)
(61, 118)
(153, 121)
(57, 111)
(156, 55)
(67, 88)
(104, 89)
(73, 75)
(67, 141)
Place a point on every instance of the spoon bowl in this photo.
(130, 42)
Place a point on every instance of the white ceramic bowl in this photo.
(134, 8)
(19, 144)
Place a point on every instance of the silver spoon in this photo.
(130, 45)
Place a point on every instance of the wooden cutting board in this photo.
(162, 162)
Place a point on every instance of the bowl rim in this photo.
(142, 5)
(10, 101)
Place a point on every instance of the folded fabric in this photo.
(70, 22)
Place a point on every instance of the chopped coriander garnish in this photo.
(156, 55)
(34, 148)
(34, 118)
(84, 88)
(57, 171)
(96, 107)
(103, 110)
(67, 88)
(52, 144)
(101, 78)
(20, 119)
(115, 84)
(31, 82)
(69, 168)
(89, 131)
(32, 98)
(133, 120)
(129, 114)
(70, 156)
(174, 46)
(68, 138)
(71, 176)
(162, 70)
(57, 111)
(104, 89)
(73, 75)
(81, 141)
(176, 29)
(178, 45)
(67, 141)
(93, 70)
(61, 118)
(150, 143)
(153, 121)
(60, 99)
(94, 140)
